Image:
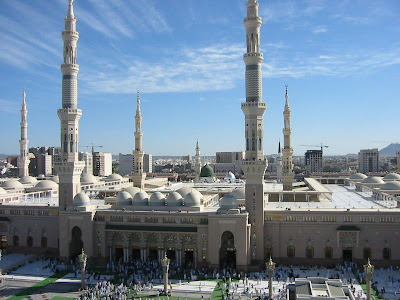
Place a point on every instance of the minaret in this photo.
(69, 168)
(279, 164)
(138, 176)
(197, 163)
(255, 164)
(287, 170)
(23, 160)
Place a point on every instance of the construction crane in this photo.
(322, 146)
(92, 146)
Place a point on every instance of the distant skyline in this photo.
(341, 61)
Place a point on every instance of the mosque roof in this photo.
(132, 190)
(124, 198)
(239, 193)
(228, 201)
(2, 191)
(140, 198)
(12, 184)
(113, 177)
(207, 171)
(88, 179)
(157, 199)
(55, 178)
(359, 176)
(391, 186)
(46, 184)
(192, 199)
(81, 199)
(373, 179)
(28, 180)
(174, 199)
(392, 176)
(230, 176)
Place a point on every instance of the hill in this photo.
(390, 150)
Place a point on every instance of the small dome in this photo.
(113, 177)
(132, 190)
(28, 180)
(373, 180)
(2, 191)
(157, 199)
(88, 179)
(392, 176)
(192, 199)
(239, 193)
(81, 199)
(124, 198)
(230, 176)
(12, 184)
(391, 186)
(228, 201)
(141, 198)
(46, 184)
(174, 199)
(207, 171)
(55, 178)
(186, 190)
(358, 176)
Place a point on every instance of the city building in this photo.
(148, 163)
(102, 164)
(368, 161)
(87, 157)
(313, 159)
(226, 162)
(125, 164)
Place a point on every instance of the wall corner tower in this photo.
(255, 164)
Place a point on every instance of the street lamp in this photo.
(369, 270)
(82, 262)
(270, 270)
(165, 265)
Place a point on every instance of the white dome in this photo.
(174, 199)
(55, 178)
(132, 190)
(46, 184)
(239, 193)
(12, 184)
(391, 186)
(124, 198)
(141, 198)
(392, 176)
(88, 179)
(28, 180)
(373, 180)
(113, 177)
(358, 176)
(230, 176)
(192, 199)
(157, 199)
(186, 190)
(2, 191)
(228, 201)
(81, 199)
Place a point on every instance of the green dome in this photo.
(207, 171)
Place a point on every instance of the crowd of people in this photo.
(106, 290)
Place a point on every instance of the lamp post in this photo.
(270, 270)
(165, 265)
(82, 262)
(369, 270)
(1, 255)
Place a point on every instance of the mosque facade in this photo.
(202, 224)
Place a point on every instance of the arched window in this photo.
(387, 253)
(43, 242)
(367, 253)
(328, 252)
(291, 251)
(29, 241)
(309, 251)
(16, 240)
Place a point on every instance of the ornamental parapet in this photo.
(70, 33)
(253, 18)
(258, 104)
(253, 54)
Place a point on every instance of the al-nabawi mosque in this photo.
(203, 223)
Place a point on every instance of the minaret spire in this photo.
(197, 163)
(69, 168)
(255, 164)
(138, 176)
(23, 159)
(287, 169)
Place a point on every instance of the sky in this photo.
(340, 60)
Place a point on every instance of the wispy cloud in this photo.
(8, 106)
(319, 29)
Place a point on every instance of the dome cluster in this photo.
(88, 179)
(182, 197)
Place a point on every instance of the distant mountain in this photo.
(390, 150)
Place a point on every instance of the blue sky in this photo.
(341, 60)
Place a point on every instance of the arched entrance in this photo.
(227, 252)
(76, 244)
